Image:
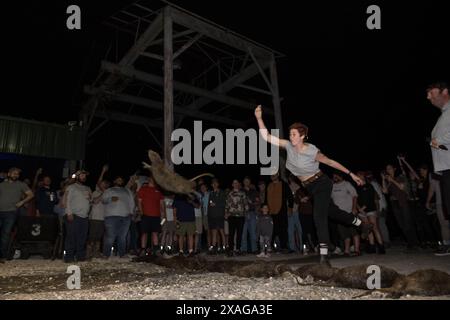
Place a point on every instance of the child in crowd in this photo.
(264, 227)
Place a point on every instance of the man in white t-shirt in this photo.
(344, 195)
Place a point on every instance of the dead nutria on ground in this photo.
(168, 179)
(394, 285)
(428, 282)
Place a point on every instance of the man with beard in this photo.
(46, 198)
(78, 203)
(119, 206)
(11, 192)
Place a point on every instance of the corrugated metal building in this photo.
(34, 138)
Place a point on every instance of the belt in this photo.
(312, 179)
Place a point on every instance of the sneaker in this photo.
(261, 255)
(267, 255)
(338, 251)
(443, 251)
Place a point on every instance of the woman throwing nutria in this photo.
(303, 161)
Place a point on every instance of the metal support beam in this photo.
(261, 71)
(226, 86)
(130, 57)
(229, 84)
(152, 55)
(92, 132)
(255, 89)
(123, 117)
(154, 79)
(276, 96)
(157, 105)
(144, 41)
(217, 33)
(168, 85)
(187, 45)
(175, 36)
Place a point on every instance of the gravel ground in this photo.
(123, 279)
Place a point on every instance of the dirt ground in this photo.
(115, 278)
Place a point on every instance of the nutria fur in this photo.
(169, 180)
(423, 282)
(356, 277)
(427, 282)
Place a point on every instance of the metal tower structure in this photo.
(176, 65)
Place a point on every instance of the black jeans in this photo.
(235, 225)
(324, 208)
(423, 227)
(403, 216)
(280, 229)
(76, 237)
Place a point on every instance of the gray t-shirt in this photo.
(343, 194)
(78, 200)
(441, 132)
(98, 209)
(302, 164)
(123, 207)
(11, 192)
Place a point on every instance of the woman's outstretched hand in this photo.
(258, 112)
(355, 178)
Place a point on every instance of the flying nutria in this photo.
(168, 179)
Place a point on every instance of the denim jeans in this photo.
(116, 227)
(249, 229)
(7, 220)
(133, 237)
(76, 237)
(294, 228)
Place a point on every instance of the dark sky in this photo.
(361, 92)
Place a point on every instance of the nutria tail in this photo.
(202, 175)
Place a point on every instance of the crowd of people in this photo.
(137, 218)
(306, 213)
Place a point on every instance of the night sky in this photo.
(361, 92)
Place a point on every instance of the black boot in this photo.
(371, 248)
